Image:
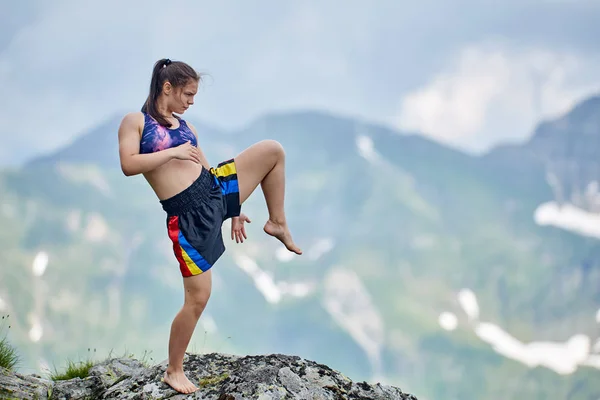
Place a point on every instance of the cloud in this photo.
(493, 92)
(80, 63)
(68, 65)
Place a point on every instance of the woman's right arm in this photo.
(132, 162)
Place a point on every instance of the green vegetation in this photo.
(213, 380)
(79, 369)
(9, 357)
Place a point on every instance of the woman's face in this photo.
(180, 98)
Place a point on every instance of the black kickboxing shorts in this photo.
(196, 214)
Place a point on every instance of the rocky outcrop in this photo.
(219, 377)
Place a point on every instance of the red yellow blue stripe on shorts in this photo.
(190, 261)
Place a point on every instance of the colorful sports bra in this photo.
(156, 137)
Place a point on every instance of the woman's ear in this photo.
(167, 87)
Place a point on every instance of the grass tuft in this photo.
(8, 354)
(80, 369)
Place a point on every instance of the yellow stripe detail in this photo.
(190, 264)
(225, 170)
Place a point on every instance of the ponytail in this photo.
(177, 73)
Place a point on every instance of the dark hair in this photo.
(177, 73)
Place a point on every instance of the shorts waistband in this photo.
(190, 197)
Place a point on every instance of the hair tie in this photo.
(167, 62)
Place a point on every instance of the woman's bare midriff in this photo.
(173, 177)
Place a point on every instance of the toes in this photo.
(189, 387)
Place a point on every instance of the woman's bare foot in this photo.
(281, 232)
(179, 382)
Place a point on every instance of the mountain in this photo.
(566, 149)
(446, 274)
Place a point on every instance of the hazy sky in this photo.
(469, 73)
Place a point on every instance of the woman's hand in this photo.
(186, 151)
(237, 228)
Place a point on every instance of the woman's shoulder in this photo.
(134, 118)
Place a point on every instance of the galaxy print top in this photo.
(156, 137)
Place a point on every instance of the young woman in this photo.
(196, 197)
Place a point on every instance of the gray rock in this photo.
(17, 386)
(218, 376)
(74, 389)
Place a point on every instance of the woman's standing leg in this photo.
(264, 163)
(197, 292)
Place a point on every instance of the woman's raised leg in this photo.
(264, 163)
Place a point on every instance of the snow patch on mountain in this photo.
(351, 306)
(564, 358)
(273, 291)
(568, 217)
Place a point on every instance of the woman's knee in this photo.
(274, 147)
(197, 301)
